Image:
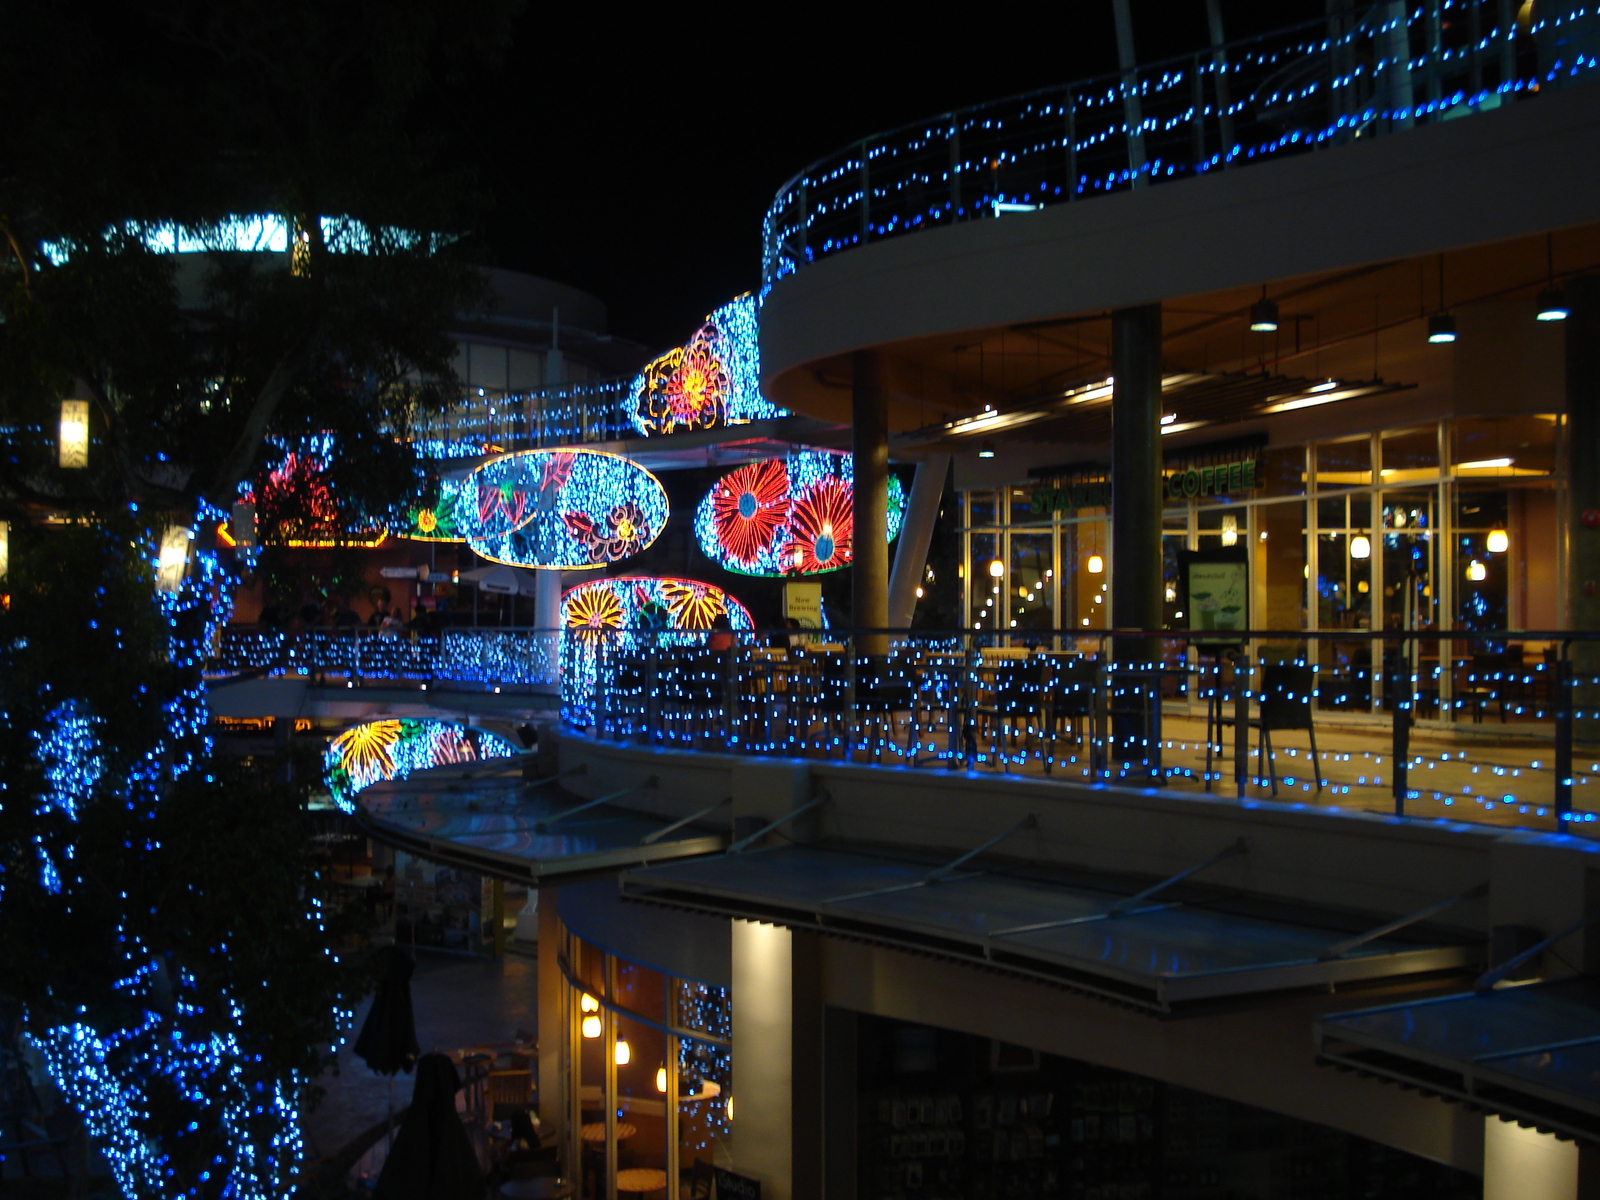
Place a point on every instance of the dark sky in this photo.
(633, 152)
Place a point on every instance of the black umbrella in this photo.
(432, 1157)
(388, 1039)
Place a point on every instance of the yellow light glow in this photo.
(1360, 547)
(1022, 591)
(661, 1079)
(623, 1053)
(1096, 564)
(1477, 572)
(1498, 542)
(74, 448)
(172, 559)
(591, 1027)
(996, 569)
(729, 1107)
(5, 548)
(919, 593)
(587, 1003)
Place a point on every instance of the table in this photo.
(641, 1179)
(595, 1131)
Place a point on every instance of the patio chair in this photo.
(1285, 704)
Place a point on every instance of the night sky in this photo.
(633, 153)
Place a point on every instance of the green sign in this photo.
(1213, 480)
(1071, 497)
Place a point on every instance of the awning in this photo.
(1529, 1053)
(492, 822)
(1166, 954)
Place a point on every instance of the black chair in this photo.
(881, 694)
(1074, 685)
(1018, 698)
(1286, 703)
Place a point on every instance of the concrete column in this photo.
(555, 1035)
(547, 616)
(1582, 334)
(763, 1056)
(869, 437)
(916, 535)
(1136, 468)
(1524, 1164)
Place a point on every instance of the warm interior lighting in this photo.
(74, 448)
(1230, 531)
(1498, 542)
(591, 1026)
(1360, 547)
(1168, 418)
(587, 1003)
(172, 558)
(919, 593)
(729, 1108)
(5, 548)
(1552, 306)
(1441, 328)
(623, 1053)
(1485, 464)
(1096, 564)
(986, 450)
(996, 569)
(1477, 572)
(1324, 387)
(661, 1079)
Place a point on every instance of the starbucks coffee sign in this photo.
(1213, 480)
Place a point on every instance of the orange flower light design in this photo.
(822, 525)
(697, 390)
(592, 612)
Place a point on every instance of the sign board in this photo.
(417, 572)
(803, 602)
(735, 1187)
(1213, 480)
(1216, 591)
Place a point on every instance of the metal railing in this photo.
(1353, 74)
(1496, 727)
(570, 414)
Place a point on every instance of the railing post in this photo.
(1241, 721)
(1562, 689)
(1403, 700)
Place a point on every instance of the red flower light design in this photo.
(626, 531)
(748, 509)
(697, 389)
(821, 524)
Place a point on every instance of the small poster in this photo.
(803, 602)
(1216, 591)
(736, 1187)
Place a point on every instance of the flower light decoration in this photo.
(787, 516)
(562, 508)
(296, 507)
(392, 749)
(709, 383)
(605, 618)
(443, 516)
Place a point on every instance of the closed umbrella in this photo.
(388, 1039)
(432, 1157)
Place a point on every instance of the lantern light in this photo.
(74, 449)
(661, 1079)
(1477, 572)
(591, 1026)
(588, 1004)
(1499, 542)
(623, 1053)
(1360, 546)
(1096, 564)
(996, 569)
(172, 559)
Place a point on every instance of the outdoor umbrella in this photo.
(388, 1039)
(432, 1157)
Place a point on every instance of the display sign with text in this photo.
(1216, 591)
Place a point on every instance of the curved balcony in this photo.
(1329, 82)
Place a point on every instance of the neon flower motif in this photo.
(392, 749)
(821, 523)
(584, 508)
(693, 605)
(712, 381)
(440, 518)
(748, 509)
(788, 517)
(295, 506)
(591, 611)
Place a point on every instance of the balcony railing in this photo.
(1352, 75)
(569, 414)
(1434, 726)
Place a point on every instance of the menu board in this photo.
(1216, 592)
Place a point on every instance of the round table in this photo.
(641, 1179)
(595, 1131)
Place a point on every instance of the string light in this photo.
(711, 382)
(375, 751)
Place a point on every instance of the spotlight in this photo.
(1441, 328)
(986, 450)
(1552, 306)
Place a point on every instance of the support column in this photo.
(1524, 1164)
(763, 1056)
(916, 535)
(547, 617)
(869, 437)
(556, 1096)
(1582, 333)
(1136, 585)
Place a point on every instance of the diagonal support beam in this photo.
(1340, 949)
(542, 826)
(651, 839)
(1489, 978)
(740, 846)
(946, 873)
(580, 769)
(1133, 905)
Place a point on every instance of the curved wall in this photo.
(1493, 176)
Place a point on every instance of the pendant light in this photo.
(1263, 314)
(1441, 326)
(1552, 300)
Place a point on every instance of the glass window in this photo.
(1022, 508)
(981, 509)
(1032, 581)
(1345, 463)
(1281, 471)
(1410, 454)
(1223, 526)
(1503, 447)
(1279, 569)
(983, 588)
(1085, 574)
